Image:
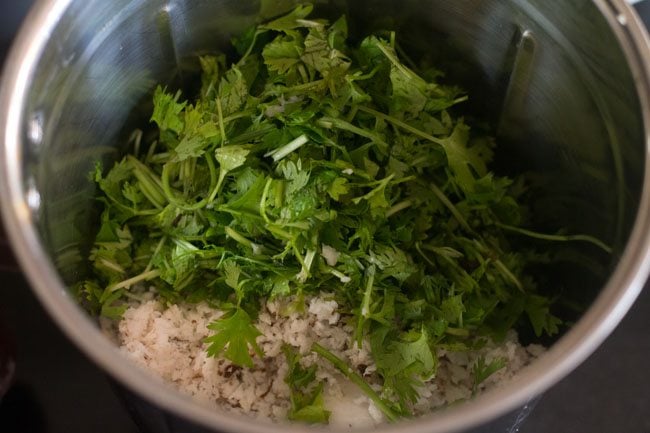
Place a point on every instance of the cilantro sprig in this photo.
(308, 163)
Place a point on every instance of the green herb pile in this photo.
(310, 165)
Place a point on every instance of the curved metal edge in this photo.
(564, 356)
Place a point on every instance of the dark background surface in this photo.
(58, 390)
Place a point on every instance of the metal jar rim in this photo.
(576, 345)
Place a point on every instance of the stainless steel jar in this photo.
(565, 82)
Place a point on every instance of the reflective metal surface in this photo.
(565, 83)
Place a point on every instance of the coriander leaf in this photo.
(114, 180)
(404, 365)
(233, 336)
(283, 54)
(233, 91)
(453, 309)
(372, 168)
(167, 109)
(178, 223)
(132, 193)
(306, 392)
(229, 158)
(311, 409)
(111, 253)
(338, 34)
(112, 307)
(111, 234)
(190, 147)
(393, 262)
(329, 62)
(409, 91)
(338, 188)
(243, 42)
(462, 160)
(538, 310)
(296, 183)
(198, 134)
(89, 294)
(279, 286)
(211, 68)
(415, 357)
(376, 197)
(304, 204)
(489, 189)
(289, 21)
(352, 92)
(481, 370)
(249, 199)
(371, 58)
(232, 271)
(177, 265)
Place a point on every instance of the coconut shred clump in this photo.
(169, 341)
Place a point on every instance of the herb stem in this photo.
(250, 47)
(508, 274)
(265, 195)
(279, 232)
(299, 88)
(222, 127)
(171, 195)
(112, 265)
(238, 213)
(303, 275)
(155, 252)
(393, 59)
(152, 151)
(557, 238)
(232, 233)
(332, 122)
(150, 184)
(251, 135)
(134, 280)
(285, 150)
(136, 139)
(449, 205)
(340, 275)
(365, 305)
(447, 252)
(457, 332)
(159, 158)
(403, 125)
(296, 253)
(364, 311)
(418, 248)
(149, 191)
(355, 378)
(378, 189)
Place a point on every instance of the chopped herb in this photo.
(306, 391)
(482, 370)
(314, 164)
(233, 336)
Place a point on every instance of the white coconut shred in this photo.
(168, 341)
